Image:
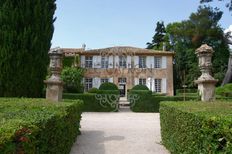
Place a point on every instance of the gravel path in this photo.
(123, 132)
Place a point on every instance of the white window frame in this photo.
(122, 62)
(158, 62)
(104, 80)
(88, 83)
(158, 85)
(142, 61)
(142, 81)
(104, 62)
(122, 80)
(89, 62)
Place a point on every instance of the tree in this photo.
(228, 3)
(201, 27)
(158, 38)
(26, 30)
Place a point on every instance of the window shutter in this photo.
(128, 61)
(83, 61)
(164, 62)
(164, 85)
(136, 61)
(96, 82)
(148, 83)
(111, 62)
(111, 80)
(136, 81)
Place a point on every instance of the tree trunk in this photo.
(228, 76)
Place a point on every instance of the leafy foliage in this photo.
(228, 3)
(92, 101)
(226, 90)
(72, 77)
(147, 102)
(38, 126)
(158, 38)
(196, 127)
(26, 30)
(93, 90)
(201, 27)
(108, 86)
(140, 87)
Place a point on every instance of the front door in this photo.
(122, 89)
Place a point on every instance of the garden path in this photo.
(121, 132)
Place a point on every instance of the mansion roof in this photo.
(120, 50)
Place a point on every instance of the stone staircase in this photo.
(123, 103)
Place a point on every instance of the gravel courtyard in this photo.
(121, 132)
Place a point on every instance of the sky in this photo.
(107, 23)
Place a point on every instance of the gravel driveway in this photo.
(122, 132)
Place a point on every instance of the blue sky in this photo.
(105, 23)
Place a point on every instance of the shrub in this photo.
(72, 78)
(38, 126)
(196, 127)
(226, 90)
(147, 102)
(186, 90)
(140, 87)
(100, 102)
(108, 86)
(93, 90)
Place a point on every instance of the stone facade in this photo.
(127, 67)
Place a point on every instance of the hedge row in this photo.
(38, 126)
(196, 127)
(144, 101)
(102, 101)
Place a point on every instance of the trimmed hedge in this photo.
(144, 101)
(196, 127)
(225, 91)
(38, 126)
(93, 90)
(186, 90)
(108, 86)
(140, 87)
(103, 101)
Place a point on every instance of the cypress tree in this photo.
(26, 30)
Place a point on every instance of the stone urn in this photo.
(54, 84)
(206, 83)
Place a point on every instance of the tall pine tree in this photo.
(26, 30)
(158, 38)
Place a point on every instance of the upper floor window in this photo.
(158, 85)
(89, 62)
(122, 61)
(104, 62)
(142, 62)
(88, 83)
(142, 82)
(158, 62)
(104, 80)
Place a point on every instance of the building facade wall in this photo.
(132, 72)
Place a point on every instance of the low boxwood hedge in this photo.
(108, 86)
(103, 101)
(196, 127)
(144, 101)
(38, 126)
(140, 87)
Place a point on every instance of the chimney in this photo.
(83, 46)
(164, 46)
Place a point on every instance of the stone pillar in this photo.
(54, 84)
(206, 83)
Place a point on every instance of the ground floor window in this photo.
(142, 82)
(103, 80)
(121, 80)
(158, 85)
(88, 84)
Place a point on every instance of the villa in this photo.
(126, 67)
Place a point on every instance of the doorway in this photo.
(122, 86)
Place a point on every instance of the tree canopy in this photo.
(201, 27)
(26, 30)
